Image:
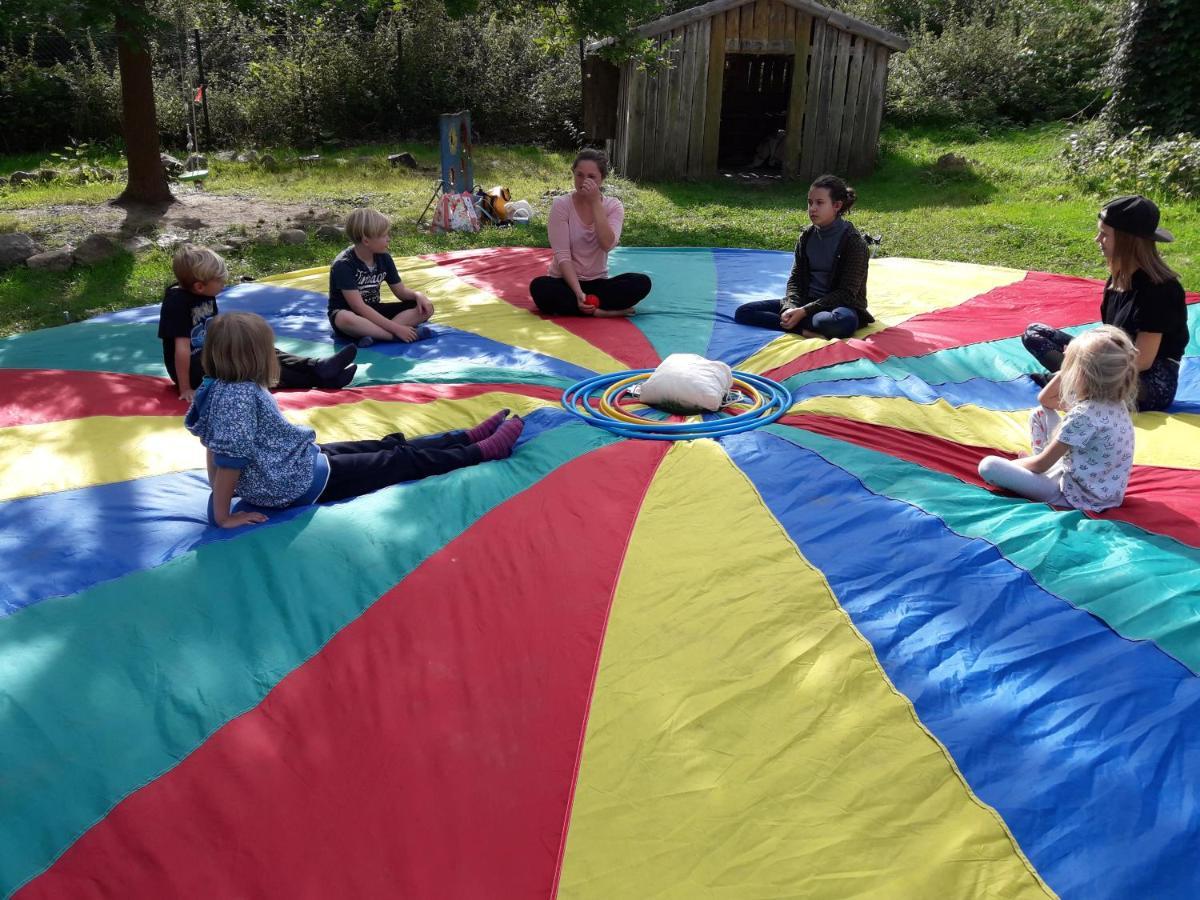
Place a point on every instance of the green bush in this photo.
(1137, 162)
(35, 104)
(1000, 64)
(41, 105)
(302, 80)
(1154, 68)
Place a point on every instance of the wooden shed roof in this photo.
(832, 16)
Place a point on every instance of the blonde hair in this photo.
(1130, 253)
(240, 346)
(367, 223)
(1100, 364)
(193, 263)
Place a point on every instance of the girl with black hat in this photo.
(1142, 297)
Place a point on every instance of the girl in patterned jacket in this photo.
(1084, 460)
(258, 455)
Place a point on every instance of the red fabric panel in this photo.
(1159, 499)
(410, 393)
(507, 271)
(429, 750)
(1004, 312)
(29, 396)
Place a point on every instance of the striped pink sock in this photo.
(500, 444)
(487, 427)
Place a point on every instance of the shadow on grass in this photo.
(900, 183)
(31, 299)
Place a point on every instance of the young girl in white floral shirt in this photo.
(1083, 461)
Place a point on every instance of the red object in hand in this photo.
(592, 300)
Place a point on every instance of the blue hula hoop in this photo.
(577, 400)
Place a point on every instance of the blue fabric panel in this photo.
(1020, 393)
(743, 276)
(1087, 744)
(59, 544)
(453, 354)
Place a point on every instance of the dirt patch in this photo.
(196, 215)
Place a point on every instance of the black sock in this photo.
(329, 370)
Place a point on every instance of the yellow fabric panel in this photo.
(62, 456)
(743, 741)
(375, 418)
(1160, 439)
(315, 279)
(897, 289)
(459, 304)
(78, 453)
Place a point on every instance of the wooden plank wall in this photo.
(664, 119)
(669, 124)
(847, 81)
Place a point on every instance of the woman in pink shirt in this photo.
(584, 225)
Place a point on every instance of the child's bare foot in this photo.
(613, 313)
(487, 427)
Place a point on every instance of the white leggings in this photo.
(1004, 473)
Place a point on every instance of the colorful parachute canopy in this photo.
(814, 659)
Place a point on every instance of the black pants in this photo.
(359, 467)
(294, 371)
(1156, 385)
(838, 323)
(554, 297)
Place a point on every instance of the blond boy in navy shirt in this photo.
(189, 305)
(356, 310)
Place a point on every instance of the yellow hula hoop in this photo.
(608, 405)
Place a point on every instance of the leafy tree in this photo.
(133, 23)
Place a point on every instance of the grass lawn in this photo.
(1014, 206)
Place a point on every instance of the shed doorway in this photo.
(754, 106)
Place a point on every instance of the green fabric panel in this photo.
(687, 278)
(142, 670)
(380, 369)
(88, 347)
(1142, 585)
(997, 360)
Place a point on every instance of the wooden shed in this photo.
(742, 72)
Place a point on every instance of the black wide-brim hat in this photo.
(1137, 216)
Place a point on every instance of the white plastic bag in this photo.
(519, 211)
(685, 382)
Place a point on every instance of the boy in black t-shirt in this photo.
(355, 308)
(183, 321)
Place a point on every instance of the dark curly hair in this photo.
(839, 191)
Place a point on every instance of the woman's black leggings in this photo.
(555, 298)
(1156, 386)
(359, 467)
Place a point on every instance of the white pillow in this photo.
(685, 382)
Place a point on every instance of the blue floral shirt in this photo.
(279, 463)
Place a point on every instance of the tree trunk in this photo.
(147, 179)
